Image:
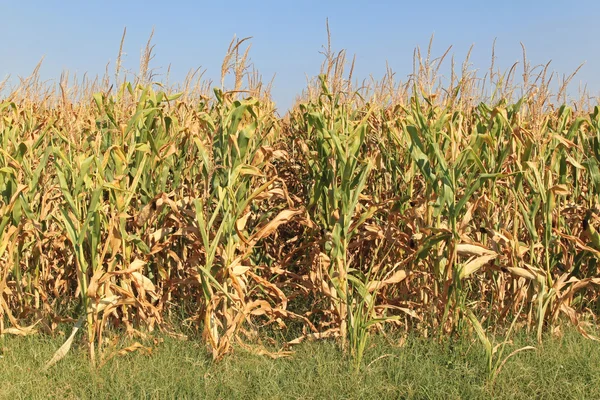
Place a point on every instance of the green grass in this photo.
(562, 368)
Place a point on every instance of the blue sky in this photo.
(83, 36)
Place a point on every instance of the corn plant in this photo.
(340, 169)
(225, 215)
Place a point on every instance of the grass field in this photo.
(462, 211)
(563, 368)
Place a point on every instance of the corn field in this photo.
(422, 207)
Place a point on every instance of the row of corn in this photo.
(345, 218)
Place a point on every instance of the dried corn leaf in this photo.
(469, 250)
(474, 265)
(64, 349)
(397, 276)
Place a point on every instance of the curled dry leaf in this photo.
(396, 277)
(239, 270)
(64, 349)
(283, 217)
(240, 224)
(333, 332)
(560, 189)
(474, 265)
(127, 350)
(468, 250)
(105, 302)
(523, 273)
(20, 330)
(144, 283)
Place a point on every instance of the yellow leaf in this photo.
(397, 277)
(241, 223)
(137, 264)
(239, 270)
(560, 189)
(522, 272)
(468, 250)
(474, 265)
(105, 302)
(64, 349)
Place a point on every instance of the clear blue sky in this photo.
(83, 36)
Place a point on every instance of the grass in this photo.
(563, 368)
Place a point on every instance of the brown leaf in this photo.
(560, 189)
(144, 283)
(21, 330)
(333, 332)
(281, 218)
(396, 277)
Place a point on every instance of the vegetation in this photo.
(416, 369)
(443, 210)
